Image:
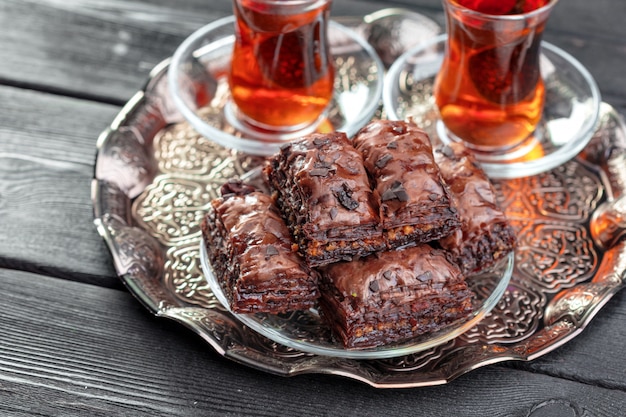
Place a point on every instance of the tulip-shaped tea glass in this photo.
(489, 90)
(281, 77)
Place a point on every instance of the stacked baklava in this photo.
(380, 232)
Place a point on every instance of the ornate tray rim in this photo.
(139, 261)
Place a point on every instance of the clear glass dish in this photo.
(306, 331)
(197, 81)
(569, 120)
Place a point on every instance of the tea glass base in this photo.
(259, 131)
(519, 152)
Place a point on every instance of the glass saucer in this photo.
(197, 80)
(569, 118)
(306, 331)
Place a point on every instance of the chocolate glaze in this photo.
(421, 270)
(236, 186)
(393, 296)
(324, 193)
(485, 234)
(399, 159)
(252, 252)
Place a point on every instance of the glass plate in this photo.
(569, 119)
(305, 330)
(197, 80)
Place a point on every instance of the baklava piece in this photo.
(324, 194)
(393, 296)
(485, 235)
(253, 255)
(414, 202)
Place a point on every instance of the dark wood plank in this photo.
(73, 349)
(95, 49)
(47, 149)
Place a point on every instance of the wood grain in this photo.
(76, 349)
(47, 149)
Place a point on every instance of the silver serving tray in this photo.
(155, 176)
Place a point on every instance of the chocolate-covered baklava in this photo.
(324, 194)
(414, 203)
(485, 235)
(393, 296)
(253, 255)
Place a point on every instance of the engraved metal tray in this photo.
(154, 179)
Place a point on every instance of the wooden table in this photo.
(75, 342)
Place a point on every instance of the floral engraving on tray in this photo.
(415, 361)
(574, 303)
(220, 325)
(178, 150)
(547, 336)
(139, 260)
(516, 316)
(460, 359)
(555, 256)
(183, 275)
(135, 250)
(181, 150)
(173, 208)
(568, 193)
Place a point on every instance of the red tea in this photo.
(489, 90)
(281, 73)
(503, 7)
